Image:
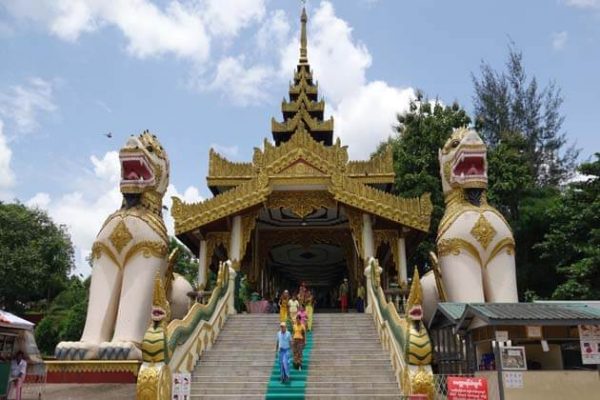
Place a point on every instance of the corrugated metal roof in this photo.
(559, 314)
(535, 311)
(452, 310)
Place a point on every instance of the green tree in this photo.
(65, 317)
(572, 243)
(187, 264)
(36, 256)
(421, 132)
(508, 101)
(528, 159)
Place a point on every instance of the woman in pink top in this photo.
(303, 316)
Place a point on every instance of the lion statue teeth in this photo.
(129, 251)
(475, 245)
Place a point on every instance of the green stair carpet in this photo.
(295, 388)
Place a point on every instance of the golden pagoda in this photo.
(301, 211)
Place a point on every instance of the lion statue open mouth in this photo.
(129, 251)
(475, 245)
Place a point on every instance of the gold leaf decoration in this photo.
(483, 231)
(120, 236)
(301, 203)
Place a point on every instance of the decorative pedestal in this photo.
(92, 371)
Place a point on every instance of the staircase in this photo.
(240, 362)
(348, 361)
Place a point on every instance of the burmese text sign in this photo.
(467, 388)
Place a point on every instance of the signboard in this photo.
(534, 331)
(467, 388)
(513, 358)
(513, 380)
(501, 336)
(181, 386)
(589, 340)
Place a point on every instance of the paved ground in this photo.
(102, 391)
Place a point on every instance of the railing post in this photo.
(370, 300)
(231, 291)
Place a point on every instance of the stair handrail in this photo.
(406, 340)
(182, 341)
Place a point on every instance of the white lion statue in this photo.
(475, 245)
(129, 251)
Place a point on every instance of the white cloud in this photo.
(40, 200)
(177, 28)
(183, 28)
(228, 17)
(7, 176)
(274, 31)
(94, 198)
(583, 3)
(365, 118)
(559, 40)
(229, 151)
(242, 85)
(22, 103)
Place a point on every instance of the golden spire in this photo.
(303, 50)
(415, 296)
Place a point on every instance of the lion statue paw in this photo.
(76, 351)
(119, 351)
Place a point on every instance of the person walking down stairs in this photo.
(299, 341)
(284, 340)
(283, 306)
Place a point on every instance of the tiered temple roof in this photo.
(304, 161)
(303, 108)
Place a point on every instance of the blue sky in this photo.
(212, 73)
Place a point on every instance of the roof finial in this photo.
(303, 51)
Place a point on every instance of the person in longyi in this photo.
(299, 339)
(344, 295)
(310, 301)
(302, 294)
(293, 305)
(283, 306)
(284, 341)
(302, 314)
(360, 298)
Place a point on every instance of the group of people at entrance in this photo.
(301, 304)
(296, 320)
(297, 311)
(344, 294)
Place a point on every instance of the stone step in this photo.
(351, 378)
(364, 384)
(353, 358)
(218, 379)
(240, 359)
(228, 371)
(345, 369)
(351, 396)
(235, 363)
(350, 390)
(226, 388)
(237, 396)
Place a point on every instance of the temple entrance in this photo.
(291, 246)
(322, 267)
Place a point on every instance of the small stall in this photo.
(16, 334)
(523, 346)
